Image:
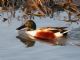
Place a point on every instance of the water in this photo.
(12, 49)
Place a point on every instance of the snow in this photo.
(13, 49)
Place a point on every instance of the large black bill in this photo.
(21, 27)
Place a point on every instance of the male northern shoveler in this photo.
(47, 34)
(28, 34)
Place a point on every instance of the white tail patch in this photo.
(58, 34)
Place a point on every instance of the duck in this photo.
(49, 35)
